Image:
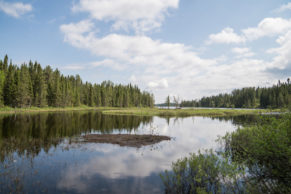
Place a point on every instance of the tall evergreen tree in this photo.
(24, 87)
(31, 85)
(9, 93)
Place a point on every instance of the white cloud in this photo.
(74, 31)
(72, 67)
(268, 27)
(149, 60)
(140, 15)
(167, 68)
(173, 68)
(284, 7)
(283, 57)
(242, 52)
(109, 63)
(159, 84)
(15, 9)
(227, 35)
(133, 50)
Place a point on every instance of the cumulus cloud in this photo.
(141, 15)
(109, 63)
(149, 60)
(268, 27)
(227, 35)
(137, 50)
(167, 68)
(159, 84)
(15, 9)
(284, 7)
(174, 68)
(278, 29)
(282, 57)
(242, 52)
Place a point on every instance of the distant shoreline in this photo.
(143, 111)
(187, 112)
(9, 110)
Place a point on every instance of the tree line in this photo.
(277, 96)
(29, 134)
(31, 85)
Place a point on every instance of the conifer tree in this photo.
(24, 87)
(31, 85)
(10, 87)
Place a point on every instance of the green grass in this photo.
(9, 110)
(142, 111)
(185, 112)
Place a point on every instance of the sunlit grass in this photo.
(8, 110)
(143, 111)
(186, 112)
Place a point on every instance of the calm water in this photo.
(38, 153)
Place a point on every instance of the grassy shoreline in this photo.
(9, 110)
(142, 111)
(186, 112)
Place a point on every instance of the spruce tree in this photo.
(24, 87)
(10, 87)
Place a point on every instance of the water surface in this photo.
(39, 154)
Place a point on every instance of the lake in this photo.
(39, 152)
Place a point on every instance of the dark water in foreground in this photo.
(38, 153)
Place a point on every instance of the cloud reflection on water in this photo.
(113, 162)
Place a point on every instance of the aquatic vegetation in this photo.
(204, 173)
(185, 112)
(255, 159)
(265, 149)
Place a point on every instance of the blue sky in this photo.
(187, 48)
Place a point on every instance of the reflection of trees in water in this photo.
(255, 159)
(240, 120)
(236, 120)
(11, 176)
(246, 120)
(24, 136)
(28, 134)
(265, 150)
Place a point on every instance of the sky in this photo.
(185, 48)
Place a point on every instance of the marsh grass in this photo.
(185, 112)
(10, 110)
(144, 111)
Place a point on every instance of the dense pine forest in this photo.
(31, 85)
(277, 96)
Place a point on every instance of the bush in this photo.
(255, 159)
(265, 149)
(204, 173)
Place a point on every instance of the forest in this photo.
(277, 96)
(31, 85)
